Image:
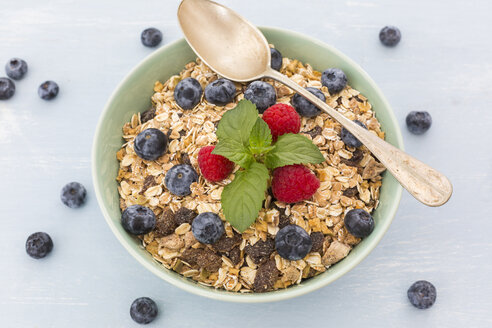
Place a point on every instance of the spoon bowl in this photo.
(224, 40)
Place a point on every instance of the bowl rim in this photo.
(278, 295)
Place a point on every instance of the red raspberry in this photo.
(293, 183)
(213, 167)
(282, 119)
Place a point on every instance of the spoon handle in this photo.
(426, 184)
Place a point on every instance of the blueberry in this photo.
(261, 94)
(303, 106)
(151, 37)
(7, 88)
(16, 68)
(73, 195)
(48, 90)
(334, 79)
(276, 59)
(220, 92)
(390, 36)
(293, 242)
(349, 139)
(359, 223)
(179, 178)
(150, 144)
(188, 93)
(418, 122)
(38, 245)
(422, 294)
(207, 228)
(138, 219)
(143, 310)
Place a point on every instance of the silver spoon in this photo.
(237, 50)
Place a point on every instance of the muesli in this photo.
(349, 178)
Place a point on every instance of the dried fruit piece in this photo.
(357, 156)
(266, 276)
(147, 115)
(350, 192)
(148, 182)
(225, 244)
(166, 224)
(261, 251)
(316, 131)
(184, 215)
(203, 258)
(318, 238)
(235, 255)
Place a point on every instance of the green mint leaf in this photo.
(293, 149)
(234, 151)
(243, 198)
(260, 139)
(237, 123)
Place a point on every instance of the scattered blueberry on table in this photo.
(143, 310)
(38, 245)
(422, 294)
(73, 194)
(390, 36)
(16, 68)
(7, 88)
(349, 139)
(151, 37)
(293, 242)
(48, 90)
(359, 223)
(261, 94)
(304, 107)
(138, 219)
(276, 59)
(179, 178)
(188, 93)
(220, 92)
(418, 122)
(207, 228)
(334, 79)
(150, 144)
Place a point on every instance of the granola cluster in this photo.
(350, 178)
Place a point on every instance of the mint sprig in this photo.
(246, 139)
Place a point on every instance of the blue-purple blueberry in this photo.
(7, 88)
(38, 245)
(188, 93)
(151, 37)
(150, 144)
(261, 94)
(207, 228)
(293, 242)
(16, 68)
(304, 107)
(143, 310)
(359, 223)
(138, 219)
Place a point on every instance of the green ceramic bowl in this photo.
(133, 95)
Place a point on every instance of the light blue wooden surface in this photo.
(442, 65)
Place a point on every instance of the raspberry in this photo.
(213, 167)
(282, 119)
(293, 183)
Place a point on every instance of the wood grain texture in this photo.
(442, 65)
